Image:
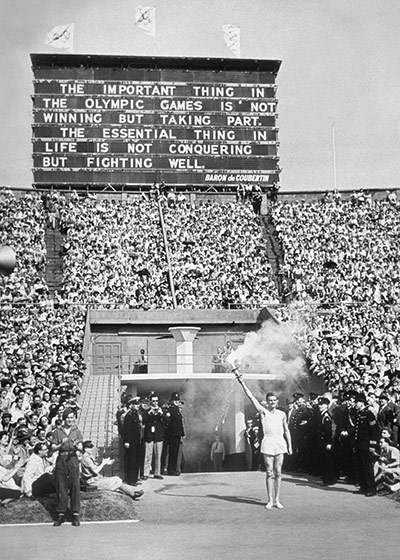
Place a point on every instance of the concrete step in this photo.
(54, 240)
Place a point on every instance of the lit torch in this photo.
(236, 372)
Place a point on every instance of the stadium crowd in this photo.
(114, 254)
(340, 277)
(339, 267)
(41, 363)
(340, 262)
(218, 256)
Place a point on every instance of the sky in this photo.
(338, 86)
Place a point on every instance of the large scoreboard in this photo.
(135, 121)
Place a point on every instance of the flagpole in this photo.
(334, 159)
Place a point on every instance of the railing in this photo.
(126, 364)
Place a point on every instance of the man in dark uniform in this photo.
(174, 433)
(345, 422)
(299, 430)
(119, 421)
(312, 455)
(325, 442)
(253, 442)
(387, 412)
(131, 437)
(365, 439)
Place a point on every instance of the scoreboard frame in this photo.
(130, 122)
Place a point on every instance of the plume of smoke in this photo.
(272, 350)
(206, 406)
(208, 403)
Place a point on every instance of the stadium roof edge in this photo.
(95, 60)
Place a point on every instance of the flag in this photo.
(232, 38)
(145, 19)
(61, 37)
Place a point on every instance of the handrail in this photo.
(166, 246)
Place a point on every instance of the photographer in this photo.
(153, 420)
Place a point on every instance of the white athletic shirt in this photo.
(273, 442)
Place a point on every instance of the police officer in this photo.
(365, 440)
(325, 442)
(299, 431)
(312, 454)
(174, 432)
(131, 437)
(345, 420)
(253, 443)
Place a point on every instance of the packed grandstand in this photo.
(336, 282)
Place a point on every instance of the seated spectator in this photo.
(387, 466)
(6, 455)
(90, 473)
(9, 490)
(38, 479)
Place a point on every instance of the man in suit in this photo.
(153, 420)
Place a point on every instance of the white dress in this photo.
(273, 442)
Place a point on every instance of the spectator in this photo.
(141, 364)
(67, 440)
(387, 466)
(38, 478)
(217, 453)
(154, 421)
(92, 477)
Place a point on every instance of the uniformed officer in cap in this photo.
(365, 441)
(312, 455)
(325, 442)
(299, 430)
(344, 431)
(131, 438)
(174, 434)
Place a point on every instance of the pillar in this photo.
(184, 337)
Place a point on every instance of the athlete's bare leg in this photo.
(269, 480)
(277, 467)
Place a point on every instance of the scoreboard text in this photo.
(113, 125)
